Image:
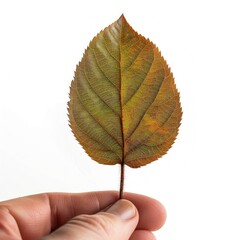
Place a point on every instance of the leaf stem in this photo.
(121, 181)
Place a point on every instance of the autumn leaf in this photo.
(124, 106)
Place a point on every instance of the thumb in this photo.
(118, 223)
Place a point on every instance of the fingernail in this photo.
(123, 209)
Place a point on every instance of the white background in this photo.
(198, 180)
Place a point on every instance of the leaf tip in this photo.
(122, 19)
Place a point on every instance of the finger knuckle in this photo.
(96, 224)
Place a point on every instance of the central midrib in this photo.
(120, 93)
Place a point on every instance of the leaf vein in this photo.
(90, 85)
(80, 129)
(134, 60)
(145, 139)
(110, 54)
(92, 116)
(134, 43)
(111, 31)
(129, 99)
(106, 77)
(79, 98)
(137, 125)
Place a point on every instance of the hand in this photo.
(83, 216)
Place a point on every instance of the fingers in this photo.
(152, 214)
(142, 235)
(27, 217)
(118, 223)
(38, 215)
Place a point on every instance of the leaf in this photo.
(124, 106)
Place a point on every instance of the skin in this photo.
(49, 216)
